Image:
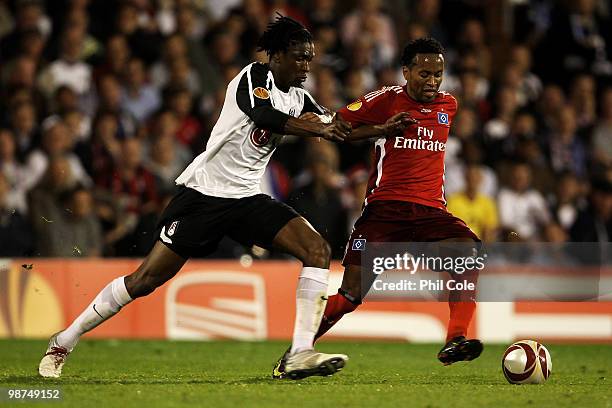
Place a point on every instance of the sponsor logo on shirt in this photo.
(423, 141)
(261, 93)
(443, 118)
(354, 106)
(260, 137)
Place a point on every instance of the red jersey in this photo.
(409, 167)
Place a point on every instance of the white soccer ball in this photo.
(526, 362)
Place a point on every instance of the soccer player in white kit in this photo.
(220, 196)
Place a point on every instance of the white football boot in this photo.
(52, 362)
(309, 362)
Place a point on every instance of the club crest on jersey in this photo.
(354, 106)
(260, 137)
(261, 93)
(172, 228)
(358, 244)
(443, 118)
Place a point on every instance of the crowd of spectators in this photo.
(104, 102)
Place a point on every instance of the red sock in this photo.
(461, 314)
(462, 306)
(337, 306)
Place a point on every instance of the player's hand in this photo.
(310, 117)
(397, 123)
(337, 131)
(343, 124)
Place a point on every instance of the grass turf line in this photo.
(234, 374)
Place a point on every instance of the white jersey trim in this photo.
(372, 95)
(250, 87)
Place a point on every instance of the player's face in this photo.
(425, 76)
(294, 65)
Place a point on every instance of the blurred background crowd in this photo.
(103, 103)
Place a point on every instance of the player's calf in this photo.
(161, 265)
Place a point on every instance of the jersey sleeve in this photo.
(370, 109)
(253, 98)
(310, 105)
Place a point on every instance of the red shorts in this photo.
(402, 221)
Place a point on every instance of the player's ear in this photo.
(406, 72)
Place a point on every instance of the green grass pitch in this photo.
(232, 374)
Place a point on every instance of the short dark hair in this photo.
(420, 46)
(281, 34)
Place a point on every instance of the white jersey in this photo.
(238, 152)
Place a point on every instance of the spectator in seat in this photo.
(68, 69)
(594, 223)
(138, 97)
(566, 202)
(45, 200)
(189, 126)
(133, 187)
(109, 100)
(14, 171)
(477, 210)
(601, 139)
(23, 123)
(55, 142)
(567, 151)
(16, 239)
(521, 208)
(76, 232)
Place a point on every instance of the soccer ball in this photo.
(526, 362)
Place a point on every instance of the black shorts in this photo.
(193, 223)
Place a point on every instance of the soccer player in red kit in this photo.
(405, 196)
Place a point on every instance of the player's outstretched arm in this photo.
(253, 98)
(394, 126)
(337, 131)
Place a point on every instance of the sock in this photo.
(462, 304)
(460, 318)
(337, 306)
(108, 302)
(311, 297)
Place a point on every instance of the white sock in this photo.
(311, 299)
(108, 302)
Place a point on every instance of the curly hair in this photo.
(420, 46)
(281, 34)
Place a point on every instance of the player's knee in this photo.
(318, 253)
